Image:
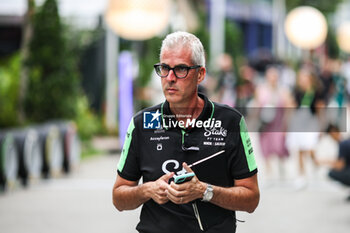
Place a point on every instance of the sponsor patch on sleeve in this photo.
(247, 145)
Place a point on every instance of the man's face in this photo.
(180, 91)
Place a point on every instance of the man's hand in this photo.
(157, 189)
(186, 192)
(128, 195)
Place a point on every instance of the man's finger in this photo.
(176, 190)
(167, 177)
(187, 168)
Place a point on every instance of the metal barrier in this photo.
(51, 145)
(40, 151)
(8, 160)
(71, 144)
(30, 154)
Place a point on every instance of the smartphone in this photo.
(183, 178)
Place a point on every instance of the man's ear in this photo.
(201, 75)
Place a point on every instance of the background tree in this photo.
(27, 32)
(325, 6)
(53, 81)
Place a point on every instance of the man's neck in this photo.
(190, 110)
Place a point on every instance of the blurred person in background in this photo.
(333, 83)
(327, 80)
(338, 92)
(345, 71)
(333, 92)
(340, 168)
(220, 186)
(304, 125)
(288, 76)
(210, 85)
(226, 81)
(245, 87)
(272, 99)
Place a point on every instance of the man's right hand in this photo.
(157, 190)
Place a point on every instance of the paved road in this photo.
(82, 202)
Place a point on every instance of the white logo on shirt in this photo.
(215, 131)
(175, 166)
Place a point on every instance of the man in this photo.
(340, 168)
(162, 140)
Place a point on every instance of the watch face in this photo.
(210, 194)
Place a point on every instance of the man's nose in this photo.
(171, 76)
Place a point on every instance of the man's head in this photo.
(185, 40)
(181, 67)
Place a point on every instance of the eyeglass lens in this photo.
(180, 71)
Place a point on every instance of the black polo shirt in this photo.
(156, 143)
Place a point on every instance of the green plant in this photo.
(87, 122)
(88, 150)
(332, 46)
(202, 31)
(149, 55)
(325, 6)
(54, 78)
(234, 44)
(9, 86)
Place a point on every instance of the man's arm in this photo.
(128, 195)
(337, 164)
(244, 196)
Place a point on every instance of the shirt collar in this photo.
(207, 111)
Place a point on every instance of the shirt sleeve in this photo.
(243, 163)
(128, 166)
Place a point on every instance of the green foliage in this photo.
(9, 87)
(149, 56)
(332, 47)
(54, 90)
(202, 32)
(88, 123)
(89, 151)
(325, 6)
(48, 43)
(234, 43)
(233, 39)
(54, 78)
